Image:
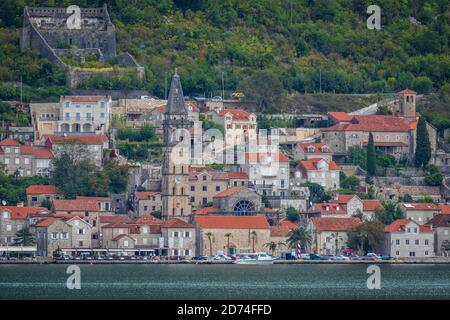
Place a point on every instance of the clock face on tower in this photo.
(177, 179)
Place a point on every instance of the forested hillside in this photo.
(286, 45)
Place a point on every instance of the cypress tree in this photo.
(423, 146)
(371, 165)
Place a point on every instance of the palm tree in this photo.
(254, 235)
(210, 235)
(272, 246)
(228, 235)
(337, 238)
(299, 235)
(24, 237)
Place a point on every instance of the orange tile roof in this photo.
(420, 206)
(176, 223)
(207, 210)
(311, 164)
(38, 152)
(120, 236)
(113, 219)
(372, 123)
(341, 116)
(344, 198)
(440, 221)
(399, 226)
(289, 224)
(96, 199)
(22, 213)
(43, 189)
(146, 195)
(75, 205)
(94, 139)
(329, 208)
(237, 175)
(227, 192)
(279, 231)
(46, 222)
(259, 157)
(372, 205)
(82, 99)
(445, 209)
(236, 114)
(147, 219)
(67, 215)
(407, 91)
(232, 222)
(316, 148)
(9, 142)
(335, 224)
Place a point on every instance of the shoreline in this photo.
(277, 262)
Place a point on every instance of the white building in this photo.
(318, 170)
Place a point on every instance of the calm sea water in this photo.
(225, 282)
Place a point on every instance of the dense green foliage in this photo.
(298, 46)
(139, 144)
(434, 177)
(390, 213)
(366, 237)
(350, 183)
(9, 116)
(423, 146)
(371, 165)
(317, 193)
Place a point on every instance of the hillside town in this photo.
(122, 174)
(220, 186)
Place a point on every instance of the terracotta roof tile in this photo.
(113, 219)
(176, 223)
(232, 222)
(75, 205)
(335, 224)
(43, 189)
(38, 152)
(262, 157)
(445, 209)
(400, 225)
(45, 222)
(22, 213)
(311, 164)
(372, 205)
(227, 192)
(407, 91)
(120, 236)
(236, 114)
(9, 142)
(83, 99)
(341, 116)
(420, 206)
(207, 210)
(94, 139)
(440, 221)
(279, 231)
(316, 148)
(146, 195)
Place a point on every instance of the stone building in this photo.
(52, 234)
(176, 158)
(240, 201)
(393, 134)
(440, 225)
(421, 213)
(14, 219)
(318, 170)
(330, 235)
(179, 238)
(76, 33)
(268, 173)
(26, 160)
(231, 234)
(305, 151)
(406, 238)
(147, 202)
(36, 194)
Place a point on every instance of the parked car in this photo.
(386, 258)
(200, 258)
(373, 255)
(355, 257)
(341, 257)
(313, 256)
(329, 257)
(222, 257)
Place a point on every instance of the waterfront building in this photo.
(14, 219)
(23, 159)
(355, 206)
(440, 224)
(179, 238)
(52, 234)
(406, 238)
(330, 235)
(279, 235)
(147, 202)
(231, 234)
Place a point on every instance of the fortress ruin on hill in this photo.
(56, 34)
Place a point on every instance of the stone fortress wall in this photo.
(45, 30)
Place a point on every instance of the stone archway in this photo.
(76, 127)
(244, 207)
(87, 127)
(65, 127)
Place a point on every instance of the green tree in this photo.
(291, 214)
(24, 237)
(317, 193)
(299, 235)
(390, 213)
(371, 157)
(209, 235)
(46, 203)
(366, 237)
(228, 235)
(423, 147)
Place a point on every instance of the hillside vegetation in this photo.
(303, 46)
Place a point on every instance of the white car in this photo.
(342, 257)
(221, 257)
(373, 255)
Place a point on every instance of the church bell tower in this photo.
(176, 155)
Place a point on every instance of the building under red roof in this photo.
(227, 192)
(341, 116)
(445, 209)
(206, 210)
(232, 222)
(91, 139)
(372, 123)
(418, 206)
(329, 208)
(42, 189)
(75, 205)
(236, 114)
(400, 225)
(372, 205)
(85, 99)
(37, 152)
(46, 222)
(114, 219)
(335, 224)
(176, 223)
(9, 142)
(439, 221)
(315, 148)
(407, 91)
(311, 164)
(22, 213)
(263, 156)
(147, 219)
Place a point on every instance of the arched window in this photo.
(244, 208)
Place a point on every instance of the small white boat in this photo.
(254, 258)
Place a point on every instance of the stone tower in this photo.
(407, 104)
(176, 155)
